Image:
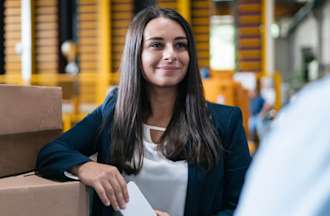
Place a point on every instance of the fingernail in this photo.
(123, 206)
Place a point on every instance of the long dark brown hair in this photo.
(190, 135)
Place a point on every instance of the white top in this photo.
(290, 174)
(162, 181)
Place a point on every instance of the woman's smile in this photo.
(168, 70)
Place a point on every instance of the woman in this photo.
(188, 157)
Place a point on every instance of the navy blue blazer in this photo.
(214, 192)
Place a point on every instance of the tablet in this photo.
(138, 204)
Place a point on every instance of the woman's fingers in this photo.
(102, 194)
(117, 192)
(123, 186)
(111, 195)
(160, 213)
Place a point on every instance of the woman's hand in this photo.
(107, 181)
(160, 213)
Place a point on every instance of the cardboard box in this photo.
(30, 117)
(29, 194)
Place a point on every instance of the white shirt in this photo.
(290, 174)
(162, 181)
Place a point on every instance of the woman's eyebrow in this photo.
(155, 38)
(160, 38)
(181, 38)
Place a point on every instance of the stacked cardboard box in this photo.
(28, 194)
(30, 117)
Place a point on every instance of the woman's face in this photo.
(165, 56)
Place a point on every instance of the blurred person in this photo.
(260, 113)
(256, 102)
(290, 174)
(267, 113)
(189, 157)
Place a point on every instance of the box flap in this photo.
(27, 180)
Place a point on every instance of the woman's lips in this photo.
(168, 68)
(168, 71)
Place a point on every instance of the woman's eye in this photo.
(181, 45)
(156, 45)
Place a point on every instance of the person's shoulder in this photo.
(222, 110)
(317, 90)
(224, 115)
(109, 102)
(311, 104)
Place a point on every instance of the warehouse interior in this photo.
(246, 49)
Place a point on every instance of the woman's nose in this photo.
(170, 54)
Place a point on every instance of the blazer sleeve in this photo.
(72, 148)
(236, 161)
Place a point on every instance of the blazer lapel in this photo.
(191, 198)
(196, 177)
